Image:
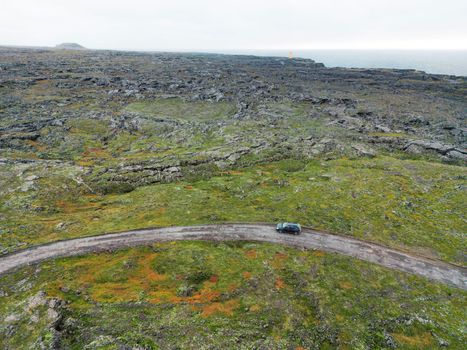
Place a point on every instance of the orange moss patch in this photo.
(419, 341)
(89, 156)
(37, 145)
(279, 259)
(255, 308)
(246, 275)
(251, 254)
(88, 270)
(345, 285)
(319, 253)
(188, 187)
(145, 276)
(214, 278)
(279, 283)
(95, 152)
(226, 308)
(300, 348)
(160, 295)
(114, 292)
(232, 287)
(141, 279)
(69, 208)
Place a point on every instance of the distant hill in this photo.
(70, 46)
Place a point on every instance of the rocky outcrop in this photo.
(449, 151)
(134, 174)
(131, 124)
(39, 309)
(364, 150)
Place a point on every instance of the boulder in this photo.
(363, 150)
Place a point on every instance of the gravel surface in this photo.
(433, 269)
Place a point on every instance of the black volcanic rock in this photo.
(139, 118)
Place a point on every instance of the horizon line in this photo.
(220, 50)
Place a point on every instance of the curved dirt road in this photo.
(432, 269)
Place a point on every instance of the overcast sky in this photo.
(236, 24)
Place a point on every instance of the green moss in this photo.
(261, 295)
(113, 187)
(175, 108)
(406, 204)
(388, 134)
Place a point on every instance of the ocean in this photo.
(450, 62)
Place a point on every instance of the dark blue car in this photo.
(288, 227)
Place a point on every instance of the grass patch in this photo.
(277, 297)
(406, 204)
(175, 108)
(388, 134)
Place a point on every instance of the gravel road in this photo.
(432, 269)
